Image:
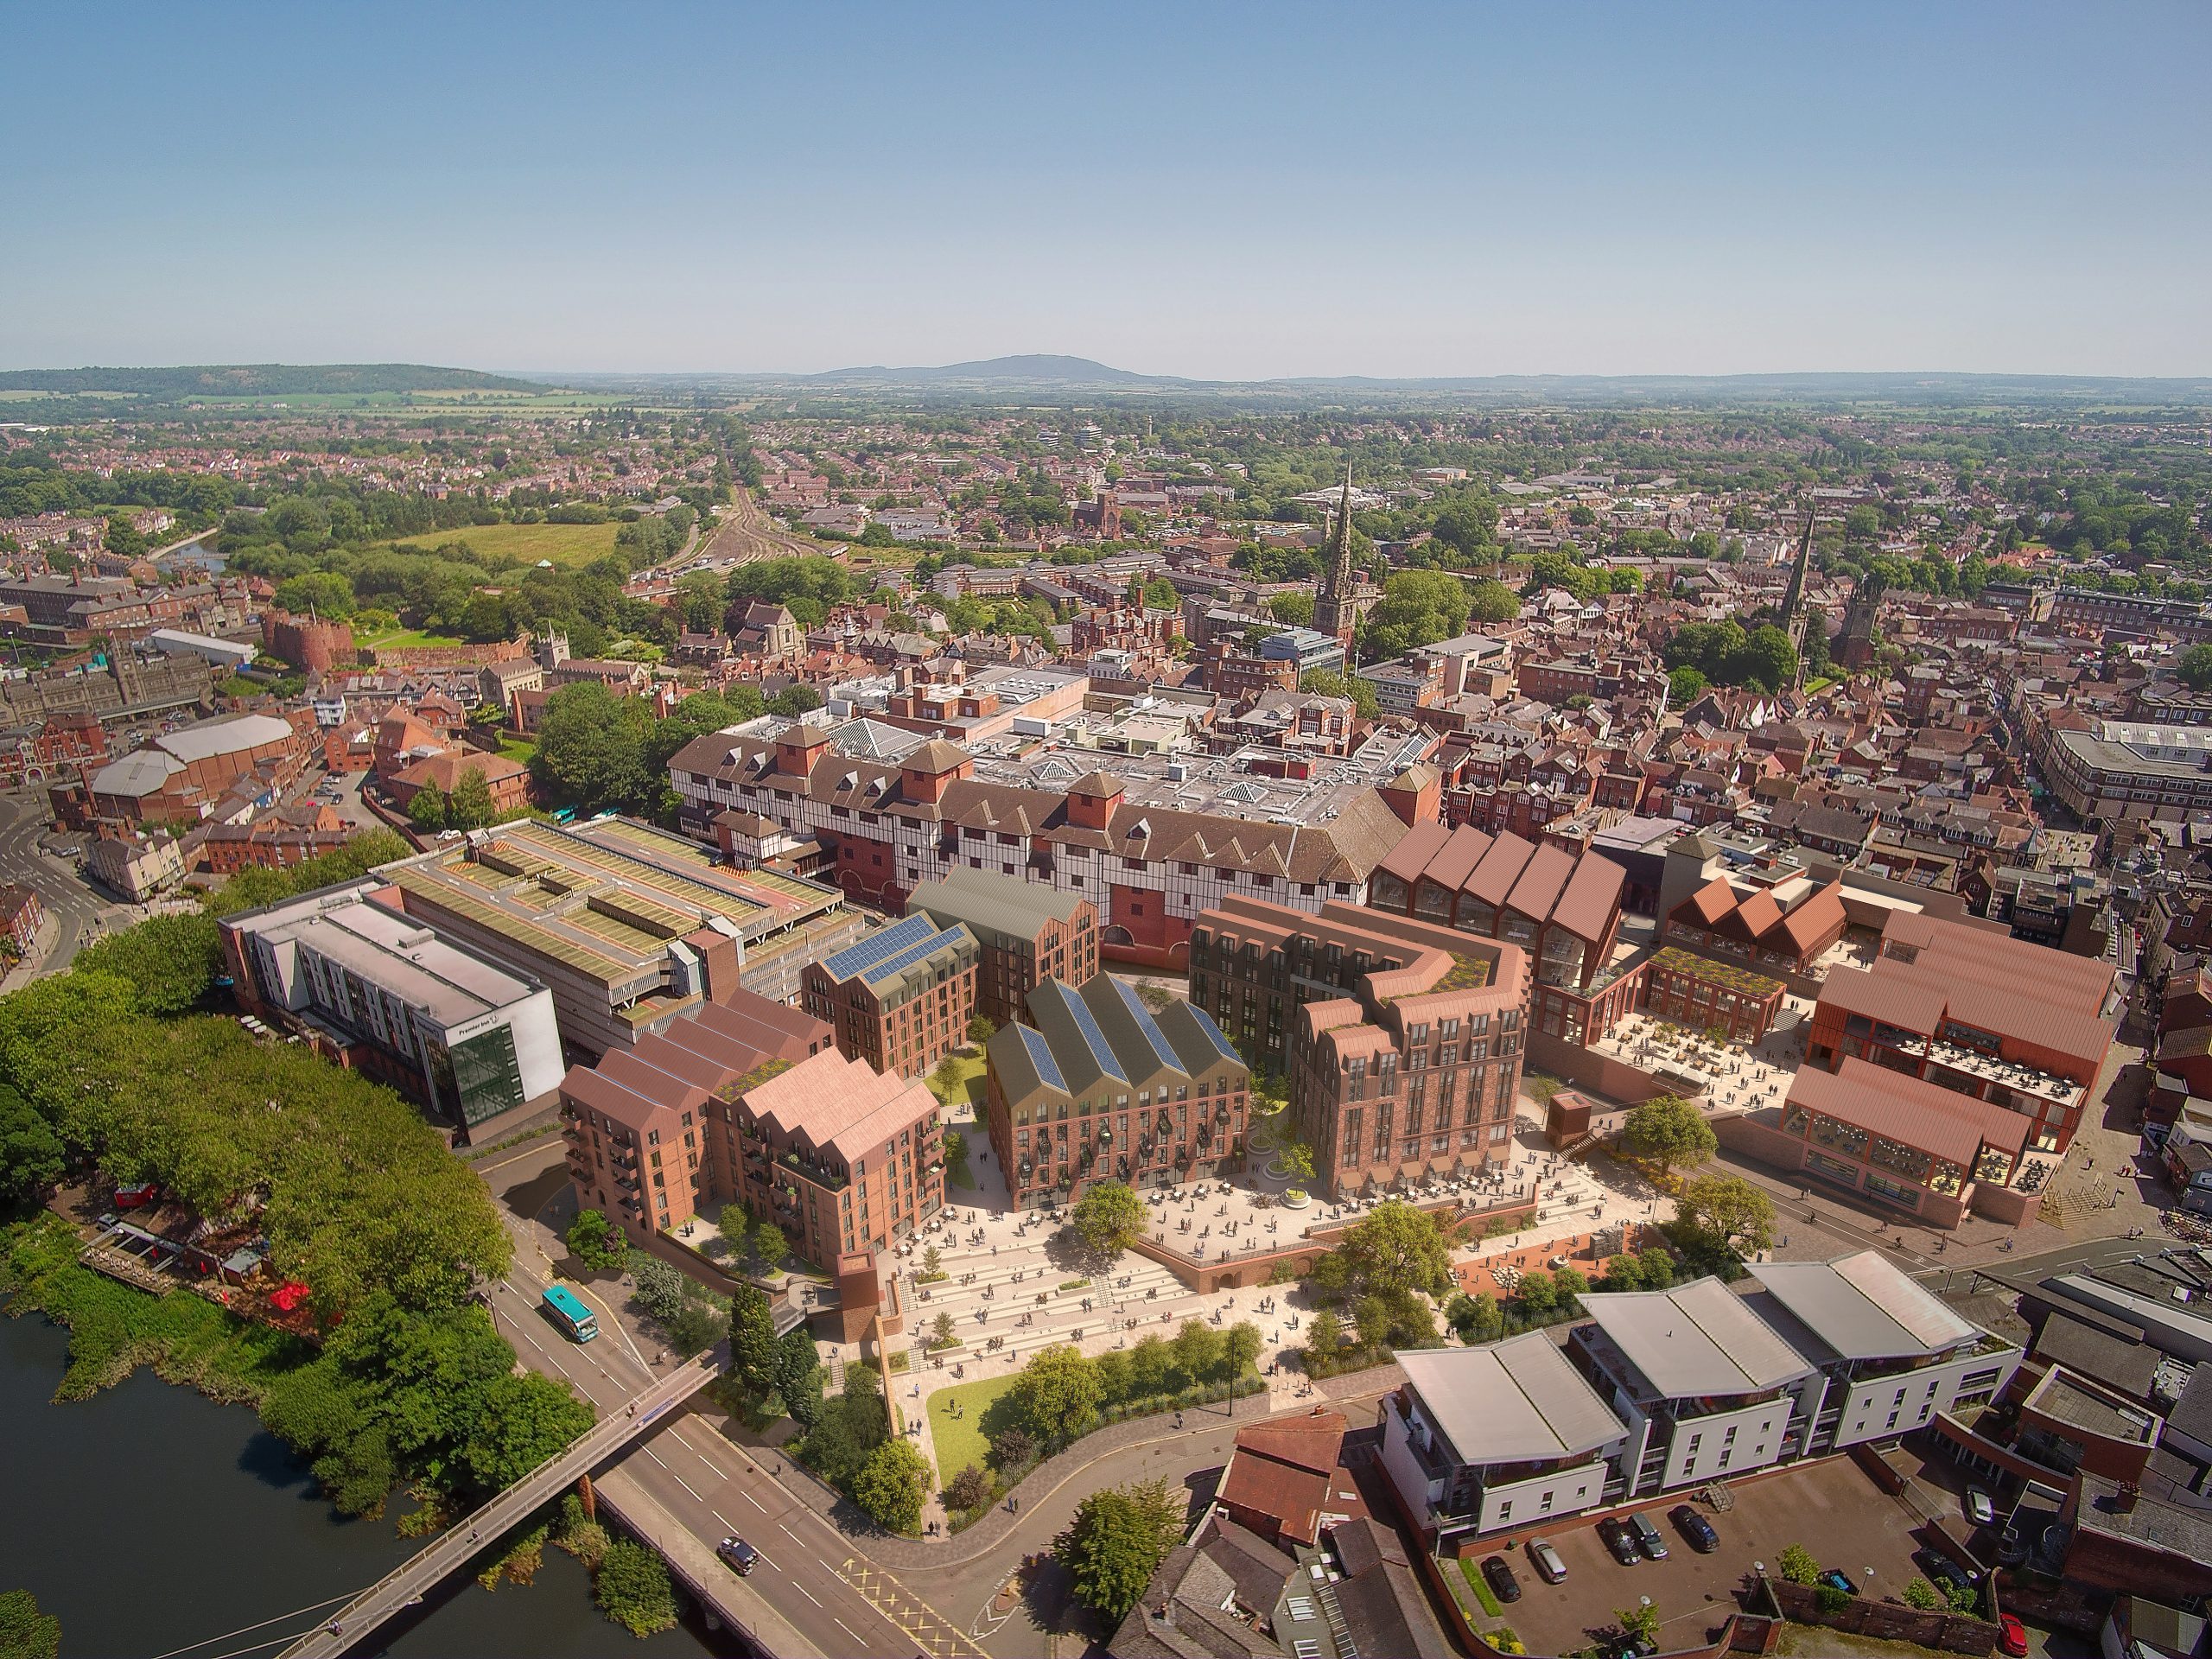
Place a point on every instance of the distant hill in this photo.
(1036, 369)
(260, 379)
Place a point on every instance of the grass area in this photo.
(521, 749)
(956, 1172)
(400, 638)
(565, 544)
(959, 1078)
(962, 1441)
(1480, 1586)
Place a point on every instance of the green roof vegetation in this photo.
(1742, 981)
(1467, 975)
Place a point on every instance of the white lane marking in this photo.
(789, 1534)
(804, 1591)
(724, 1519)
(753, 1501)
(672, 1473)
(846, 1628)
(763, 1555)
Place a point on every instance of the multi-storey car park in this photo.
(630, 926)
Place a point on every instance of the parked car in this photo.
(1499, 1576)
(1695, 1527)
(1647, 1537)
(1545, 1560)
(741, 1556)
(1979, 1510)
(1834, 1577)
(2012, 1636)
(1620, 1541)
(1940, 1568)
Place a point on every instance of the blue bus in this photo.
(566, 1309)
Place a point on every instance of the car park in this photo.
(1979, 1510)
(741, 1556)
(1619, 1540)
(1545, 1560)
(1498, 1574)
(1695, 1527)
(1647, 1537)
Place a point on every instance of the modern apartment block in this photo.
(630, 927)
(463, 1036)
(1402, 1040)
(1561, 908)
(651, 1135)
(1026, 934)
(899, 999)
(1660, 1391)
(1974, 1010)
(1099, 1087)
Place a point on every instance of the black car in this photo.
(1939, 1569)
(741, 1556)
(1694, 1527)
(1836, 1578)
(1620, 1542)
(1499, 1576)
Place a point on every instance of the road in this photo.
(714, 1488)
(745, 534)
(80, 912)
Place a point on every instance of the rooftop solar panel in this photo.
(1041, 1056)
(1213, 1033)
(1149, 1026)
(854, 957)
(913, 953)
(1087, 1023)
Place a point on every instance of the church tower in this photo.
(1334, 613)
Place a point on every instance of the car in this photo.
(1835, 1578)
(1619, 1540)
(1695, 1527)
(1647, 1537)
(1979, 1510)
(1939, 1569)
(1498, 1574)
(1545, 1560)
(2012, 1636)
(741, 1556)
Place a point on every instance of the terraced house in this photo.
(902, 998)
(1100, 1087)
(1402, 1040)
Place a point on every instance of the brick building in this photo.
(1098, 1087)
(899, 998)
(1025, 935)
(179, 776)
(1402, 1040)
(20, 912)
(313, 644)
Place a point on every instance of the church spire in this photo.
(1334, 611)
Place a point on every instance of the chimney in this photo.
(2123, 1501)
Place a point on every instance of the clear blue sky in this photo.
(1209, 190)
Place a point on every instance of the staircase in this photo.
(1338, 1631)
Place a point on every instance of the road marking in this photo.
(753, 1501)
(804, 1591)
(672, 1473)
(789, 1534)
(724, 1519)
(915, 1617)
(846, 1628)
(763, 1555)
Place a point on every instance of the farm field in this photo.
(565, 544)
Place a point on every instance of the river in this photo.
(150, 1517)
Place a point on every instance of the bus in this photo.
(566, 1309)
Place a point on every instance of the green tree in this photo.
(851, 1426)
(1572, 1287)
(941, 1332)
(890, 1483)
(25, 1632)
(1685, 685)
(596, 1242)
(591, 749)
(660, 1290)
(1397, 1247)
(981, 1029)
(1623, 1273)
(770, 1246)
(1328, 682)
(520, 1421)
(1536, 1292)
(1418, 607)
(795, 700)
(1298, 1159)
(1670, 1132)
(1641, 1623)
(32, 1157)
(1294, 610)
(1492, 601)
(735, 1226)
(1467, 524)
(693, 1330)
(1324, 1341)
(1729, 1210)
(1107, 1219)
(171, 962)
(1657, 1266)
(1115, 1544)
(1240, 1348)
(1918, 1592)
(798, 1375)
(1797, 1566)
(1055, 1396)
(2195, 667)
(1476, 1319)
(1199, 1349)
(751, 1341)
(469, 806)
(426, 809)
(633, 1588)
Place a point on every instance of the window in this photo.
(1545, 1508)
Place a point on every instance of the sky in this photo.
(1218, 191)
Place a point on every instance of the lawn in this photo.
(519, 749)
(565, 544)
(400, 638)
(965, 1082)
(962, 1441)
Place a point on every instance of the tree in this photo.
(968, 1490)
(1640, 1622)
(751, 1341)
(932, 1262)
(469, 806)
(1623, 1273)
(1115, 1544)
(1199, 1349)
(1571, 1287)
(1324, 1341)
(1418, 607)
(426, 811)
(1729, 1210)
(693, 1330)
(890, 1483)
(1797, 1566)
(631, 1588)
(1296, 610)
(25, 1632)
(171, 962)
(591, 749)
(1492, 601)
(1012, 1447)
(660, 1290)
(795, 700)
(798, 1375)
(1536, 1292)
(1056, 1396)
(1109, 1218)
(1918, 1592)
(1467, 524)
(941, 1332)
(770, 1246)
(1240, 1348)
(1476, 1317)
(1670, 1132)
(2195, 667)
(1298, 1159)
(981, 1029)
(1658, 1266)
(596, 1242)
(521, 1421)
(1685, 685)
(32, 1157)
(1397, 1248)
(1328, 682)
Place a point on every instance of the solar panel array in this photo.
(912, 954)
(1087, 1023)
(854, 957)
(1213, 1033)
(1146, 1025)
(1041, 1056)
